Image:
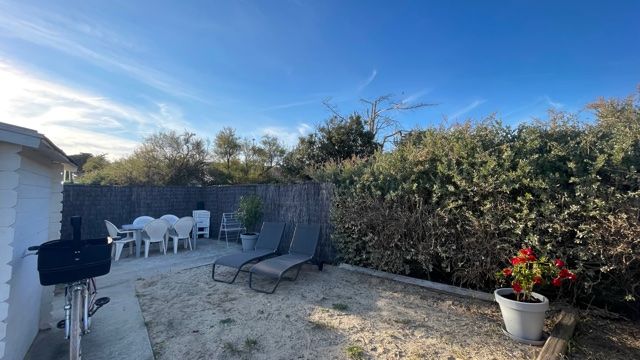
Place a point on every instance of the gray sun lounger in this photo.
(302, 249)
(266, 245)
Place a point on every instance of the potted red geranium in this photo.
(523, 310)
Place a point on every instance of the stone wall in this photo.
(289, 203)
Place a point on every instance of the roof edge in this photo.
(31, 138)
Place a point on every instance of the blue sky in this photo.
(98, 76)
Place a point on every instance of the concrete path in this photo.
(118, 330)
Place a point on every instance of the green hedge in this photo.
(453, 203)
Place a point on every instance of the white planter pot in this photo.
(249, 241)
(522, 320)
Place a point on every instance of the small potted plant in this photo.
(523, 310)
(249, 214)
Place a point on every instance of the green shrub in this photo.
(250, 211)
(340, 307)
(451, 203)
(354, 352)
(250, 343)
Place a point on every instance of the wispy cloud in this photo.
(467, 108)
(92, 44)
(368, 81)
(554, 104)
(291, 105)
(79, 121)
(415, 96)
(537, 106)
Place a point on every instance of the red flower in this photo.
(516, 287)
(527, 271)
(526, 252)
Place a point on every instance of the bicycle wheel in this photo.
(75, 352)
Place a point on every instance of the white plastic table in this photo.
(137, 235)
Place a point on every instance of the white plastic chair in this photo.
(230, 223)
(203, 222)
(155, 231)
(182, 231)
(170, 218)
(116, 236)
(142, 220)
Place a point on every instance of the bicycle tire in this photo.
(77, 303)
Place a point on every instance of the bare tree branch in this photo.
(333, 108)
(378, 115)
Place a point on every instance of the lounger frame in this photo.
(274, 230)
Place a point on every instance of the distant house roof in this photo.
(32, 139)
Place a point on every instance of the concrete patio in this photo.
(118, 330)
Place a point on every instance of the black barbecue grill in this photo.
(65, 261)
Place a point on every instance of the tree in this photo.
(339, 139)
(271, 151)
(95, 163)
(80, 159)
(249, 153)
(177, 159)
(165, 158)
(227, 146)
(379, 116)
(336, 140)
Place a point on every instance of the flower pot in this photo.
(249, 241)
(524, 321)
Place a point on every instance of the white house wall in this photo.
(9, 179)
(55, 217)
(37, 219)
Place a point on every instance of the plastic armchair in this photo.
(182, 231)
(142, 220)
(170, 218)
(116, 236)
(153, 232)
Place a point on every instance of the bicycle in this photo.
(81, 303)
(75, 263)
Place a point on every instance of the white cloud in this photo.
(467, 108)
(304, 129)
(287, 135)
(368, 81)
(78, 121)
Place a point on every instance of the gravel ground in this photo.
(336, 314)
(598, 338)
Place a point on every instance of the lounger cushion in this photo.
(239, 259)
(275, 267)
(270, 236)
